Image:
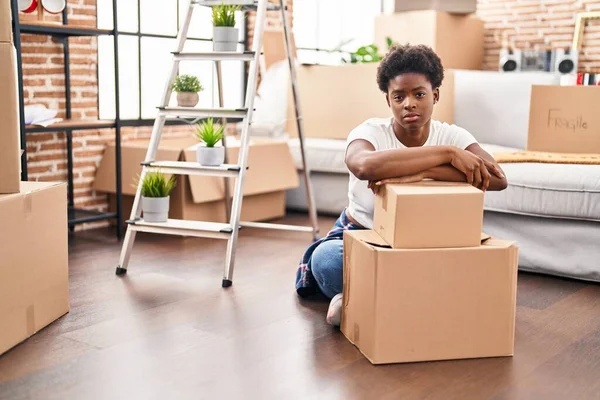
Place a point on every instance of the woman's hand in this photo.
(474, 167)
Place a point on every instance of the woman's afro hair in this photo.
(406, 59)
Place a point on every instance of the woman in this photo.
(407, 147)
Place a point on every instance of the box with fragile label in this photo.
(408, 305)
(429, 214)
(564, 119)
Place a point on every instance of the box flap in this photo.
(371, 237)
(271, 168)
(133, 154)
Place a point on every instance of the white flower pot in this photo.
(187, 99)
(155, 209)
(225, 38)
(210, 156)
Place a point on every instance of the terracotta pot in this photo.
(187, 99)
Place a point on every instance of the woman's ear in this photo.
(387, 98)
(436, 95)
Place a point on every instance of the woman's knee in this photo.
(328, 258)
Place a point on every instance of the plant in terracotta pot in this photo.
(207, 153)
(225, 34)
(156, 190)
(187, 88)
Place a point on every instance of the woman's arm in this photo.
(496, 182)
(367, 164)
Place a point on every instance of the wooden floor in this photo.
(167, 330)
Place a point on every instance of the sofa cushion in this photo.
(322, 155)
(547, 190)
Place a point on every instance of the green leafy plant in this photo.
(156, 185)
(364, 54)
(208, 133)
(187, 83)
(224, 15)
(368, 54)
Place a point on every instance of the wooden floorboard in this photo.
(167, 330)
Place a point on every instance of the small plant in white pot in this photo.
(187, 88)
(156, 190)
(207, 153)
(225, 34)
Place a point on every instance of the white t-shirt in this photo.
(379, 132)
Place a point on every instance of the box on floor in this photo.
(564, 119)
(439, 30)
(10, 160)
(34, 281)
(271, 171)
(408, 305)
(327, 115)
(429, 214)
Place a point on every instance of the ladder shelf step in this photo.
(193, 168)
(216, 56)
(247, 5)
(192, 112)
(184, 228)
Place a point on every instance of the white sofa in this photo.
(551, 210)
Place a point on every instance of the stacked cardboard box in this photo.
(456, 38)
(271, 171)
(33, 233)
(426, 284)
(10, 166)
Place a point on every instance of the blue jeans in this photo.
(327, 267)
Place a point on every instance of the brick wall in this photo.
(538, 23)
(43, 70)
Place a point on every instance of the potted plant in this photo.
(187, 88)
(156, 190)
(225, 35)
(207, 153)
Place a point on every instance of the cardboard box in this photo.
(564, 119)
(271, 171)
(451, 6)
(326, 114)
(429, 214)
(10, 160)
(5, 22)
(258, 207)
(407, 305)
(34, 273)
(457, 39)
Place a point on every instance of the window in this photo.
(323, 26)
(147, 36)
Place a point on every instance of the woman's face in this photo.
(411, 98)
